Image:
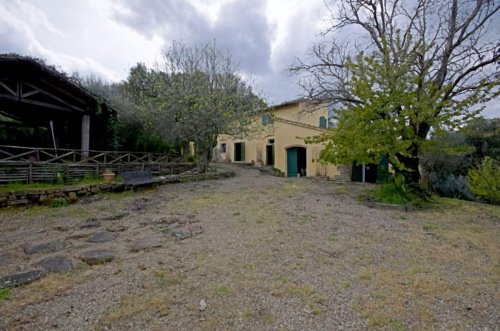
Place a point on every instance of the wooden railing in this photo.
(50, 155)
(28, 165)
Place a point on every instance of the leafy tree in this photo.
(194, 95)
(416, 67)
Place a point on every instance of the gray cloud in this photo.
(241, 27)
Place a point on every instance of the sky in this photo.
(108, 37)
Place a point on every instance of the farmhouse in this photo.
(279, 141)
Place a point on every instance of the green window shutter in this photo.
(242, 151)
(322, 122)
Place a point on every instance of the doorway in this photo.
(296, 162)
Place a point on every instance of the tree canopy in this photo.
(194, 94)
(416, 67)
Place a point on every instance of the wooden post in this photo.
(85, 136)
(30, 173)
(363, 172)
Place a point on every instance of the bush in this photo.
(451, 186)
(485, 180)
(395, 191)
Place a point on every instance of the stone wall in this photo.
(73, 193)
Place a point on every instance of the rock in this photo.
(72, 197)
(181, 235)
(195, 229)
(43, 248)
(62, 228)
(101, 237)
(21, 278)
(118, 228)
(203, 305)
(115, 217)
(145, 245)
(56, 263)
(91, 223)
(97, 256)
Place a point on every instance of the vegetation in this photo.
(195, 95)
(417, 67)
(485, 180)
(4, 294)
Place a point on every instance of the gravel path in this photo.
(253, 252)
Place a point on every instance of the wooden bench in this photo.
(138, 178)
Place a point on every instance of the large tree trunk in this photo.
(205, 154)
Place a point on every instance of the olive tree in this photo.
(194, 94)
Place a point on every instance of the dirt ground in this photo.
(272, 254)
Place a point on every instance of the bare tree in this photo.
(442, 51)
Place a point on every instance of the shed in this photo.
(37, 96)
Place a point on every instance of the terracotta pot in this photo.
(108, 176)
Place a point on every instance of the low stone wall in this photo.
(73, 193)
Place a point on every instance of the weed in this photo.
(4, 294)
(333, 238)
(237, 214)
(429, 227)
(221, 291)
(59, 203)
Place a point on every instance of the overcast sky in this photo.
(107, 37)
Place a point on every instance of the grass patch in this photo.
(5, 294)
(221, 291)
(389, 193)
(132, 306)
(12, 187)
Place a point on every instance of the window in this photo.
(322, 122)
(222, 148)
(266, 119)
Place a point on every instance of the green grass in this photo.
(221, 291)
(21, 186)
(4, 294)
(388, 193)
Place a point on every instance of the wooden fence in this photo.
(28, 165)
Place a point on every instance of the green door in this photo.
(291, 162)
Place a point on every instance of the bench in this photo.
(137, 178)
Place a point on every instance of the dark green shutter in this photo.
(242, 152)
(322, 122)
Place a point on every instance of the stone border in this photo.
(73, 193)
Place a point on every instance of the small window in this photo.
(271, 141)
(222, 148)
(266, 119)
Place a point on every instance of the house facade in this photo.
(279, 141)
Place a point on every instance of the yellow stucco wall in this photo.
(286, 133)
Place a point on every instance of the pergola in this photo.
(39, 96)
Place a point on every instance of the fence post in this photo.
(97, 170)
(30, 172)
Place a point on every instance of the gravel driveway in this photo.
(253, 252)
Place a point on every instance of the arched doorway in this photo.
(296, 162)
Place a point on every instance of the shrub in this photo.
(395, 191)
(451, 186)
(59, 202)
(485, 180)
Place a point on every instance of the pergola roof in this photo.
(31, 91)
